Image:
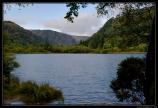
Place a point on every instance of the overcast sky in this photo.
(51, 17)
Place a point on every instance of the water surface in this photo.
(83, 78)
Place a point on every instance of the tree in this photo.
(104, 7)
(149, 85)
(8, 65)
(129, 83)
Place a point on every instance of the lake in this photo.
(83, 78)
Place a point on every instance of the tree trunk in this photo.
(149, 85)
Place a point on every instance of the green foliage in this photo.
(74, 49)
(142, 47)
(10, 87)
(128, 31)
(102, 8)
(73, 10)
(130, 79)
(8, 64)
(31, 93)
(50, 49)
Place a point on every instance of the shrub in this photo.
(130, 78)
(8, 64)
(142, 47)
(31, 93)
(105, 51)
(11, 88)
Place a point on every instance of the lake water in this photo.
(83, 78)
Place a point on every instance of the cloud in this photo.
(84, 24)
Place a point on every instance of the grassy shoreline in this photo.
(131, 52)
(29, 92)
(70, 50)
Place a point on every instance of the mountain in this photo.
(122, 32)
(56, 38)
(59, 38)
(80, 38)
(19, 35)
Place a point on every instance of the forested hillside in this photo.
(119, 34)
(19, 35)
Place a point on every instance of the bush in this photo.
(142, 47)
(105, 51)
(130, 79)
(8, 64)
(11, 88)
(31, 93)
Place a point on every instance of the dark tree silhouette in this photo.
(130, 80)
(149, 85)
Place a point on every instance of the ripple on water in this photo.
(83, 78)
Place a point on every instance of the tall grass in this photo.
(31, 93)
(10, 87)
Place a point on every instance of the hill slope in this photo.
(55, 38)
(119, 33)
(19, 35)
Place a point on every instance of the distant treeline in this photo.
(67, 49)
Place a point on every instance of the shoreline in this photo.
(84, 53)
